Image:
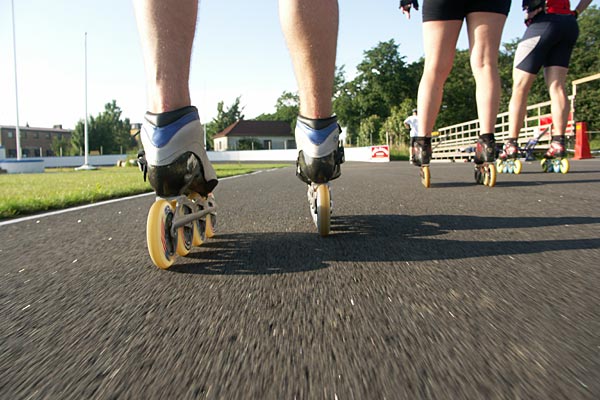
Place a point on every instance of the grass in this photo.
(22, 194)
(399, 154)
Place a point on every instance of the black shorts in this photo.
(450, 10)
(547, 42)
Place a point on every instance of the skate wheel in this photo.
(544, 164)
(158, 234)
(518, 167)
(564, 165)
(499, 166)
(323, 210)
(184, 235)
(425, 176)
(556, 166)
(211, 219)
(198, 236)
(490, 176)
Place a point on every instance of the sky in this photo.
(239, 50)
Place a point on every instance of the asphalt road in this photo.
(457, 291)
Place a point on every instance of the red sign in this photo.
(380, 153)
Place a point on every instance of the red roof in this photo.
(251, 128)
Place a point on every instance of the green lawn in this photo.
(22, 194)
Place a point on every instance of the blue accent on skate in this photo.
(316, 136)
(161, 136)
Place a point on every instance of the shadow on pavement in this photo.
(380, 238)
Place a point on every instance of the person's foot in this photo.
(557, 148)
(510, 150)
(485, 151)
(174, 157)
(320, 152)
(421, 151)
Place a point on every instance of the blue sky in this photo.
(239, 51)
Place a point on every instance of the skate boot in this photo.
(555, 159)
(508, 161)
(485, 155)
(176, 164)
(421, 156)
(320, 157)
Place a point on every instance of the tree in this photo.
(106, 133)
(585, 61)
(394, 124)
(224, 118)
(369, 131)
(384, 80)
(286, 109)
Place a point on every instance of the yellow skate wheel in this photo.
(323, 210)
(518, 167)
(198, 235)
(158, 234)
(544, 164)
(490, 175)
(564, 165)
(425, 176)
(499, 166)
(211, 219)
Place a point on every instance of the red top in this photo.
(558, 7)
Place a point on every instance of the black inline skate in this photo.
(320, 157)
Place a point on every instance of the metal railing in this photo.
(457, 142)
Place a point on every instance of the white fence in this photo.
(352, 154)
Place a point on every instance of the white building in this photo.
(255, 135)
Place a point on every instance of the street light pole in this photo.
(18, 131)
(85, 165)
(85, 129)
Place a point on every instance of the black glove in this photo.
(532, 5)
(406, 4)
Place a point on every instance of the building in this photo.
(35, 142)
(255, 135)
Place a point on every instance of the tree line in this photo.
(381, 95)
(384, 90)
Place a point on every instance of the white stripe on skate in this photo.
(102, 203)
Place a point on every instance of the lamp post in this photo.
(85, 165)
(18, 132)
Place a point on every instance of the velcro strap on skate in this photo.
(142, 163)
(406, 4)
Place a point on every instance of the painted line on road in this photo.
(102, 203)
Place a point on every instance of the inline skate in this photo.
(319, 161)
(485, 155)
(421, 156)
(508, 162)
(555, 159)
(174, 161)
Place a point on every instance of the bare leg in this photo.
(517, 107)
(555, 79)
(439, 41)
(310, 28)
(485, 32)
(167, 34)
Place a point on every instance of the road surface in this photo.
(457, 291)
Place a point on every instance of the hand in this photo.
(530, 14)
(406, 5)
